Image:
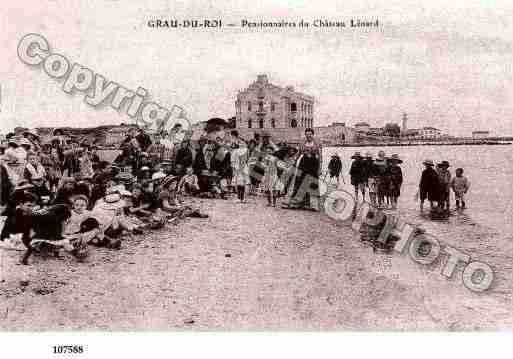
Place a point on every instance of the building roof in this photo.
(430, 128)
(263, 82)
(361, 124)
(480, 131)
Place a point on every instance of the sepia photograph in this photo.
(255, 166)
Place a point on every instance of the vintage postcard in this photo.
(293, 165)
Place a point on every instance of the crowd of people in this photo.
(61, 194)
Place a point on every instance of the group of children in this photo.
(435, 186)
(381, 177)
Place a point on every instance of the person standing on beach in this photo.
(445, 184)
(380, 166)
(460, 185)
(372, 182)
(335, 167)
(358, 176)
(307, 169)
(429, 185)
(395, 176)
(240, 171)
(271, 182)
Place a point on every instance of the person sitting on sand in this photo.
(109, 211)
(141, 202)
(429, 185)
(65, 191)
(460, 185)
(169, 202)
(189, 183)
(73, 229)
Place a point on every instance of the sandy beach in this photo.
(247, 267)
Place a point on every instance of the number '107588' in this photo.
(68, 349)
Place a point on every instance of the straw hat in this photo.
(80, 196)
(158, 175)
(395, 158)
(113, 201)
(428, 162)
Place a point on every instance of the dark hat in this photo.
(356, 155)
(395, 158)
(444, 164)
(428, 162)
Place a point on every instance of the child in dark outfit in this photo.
(429, 185)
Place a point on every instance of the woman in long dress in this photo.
(306, 180)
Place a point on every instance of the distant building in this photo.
(376, 131)
(264, 105)
(480, 134)
(362, 127)
(430, 133)
(411, 133)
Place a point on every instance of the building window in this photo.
(273, 123)
(273, 105)
(261, 123)
(249, 106)
(260, 106)
(293, 123)
(293, 107)
(250, 124)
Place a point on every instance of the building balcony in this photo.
(261, 112)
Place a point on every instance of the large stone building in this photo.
(264, 105)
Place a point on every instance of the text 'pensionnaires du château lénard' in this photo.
(315, 23)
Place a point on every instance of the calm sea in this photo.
(484, 230)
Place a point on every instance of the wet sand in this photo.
(247, 267)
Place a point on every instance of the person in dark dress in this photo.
(395, 176)
(6, 186)
(335, 167)
(221, 168)
(358, 175)
(306, 181)
(183, 159)
(200, 166)
(429, 185)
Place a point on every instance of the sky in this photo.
(445, 65)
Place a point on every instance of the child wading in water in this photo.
(395, 176)
(429, 186)
(445, 184)
(272, 184)
(460, 185)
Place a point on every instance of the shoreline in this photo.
(422, 144)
